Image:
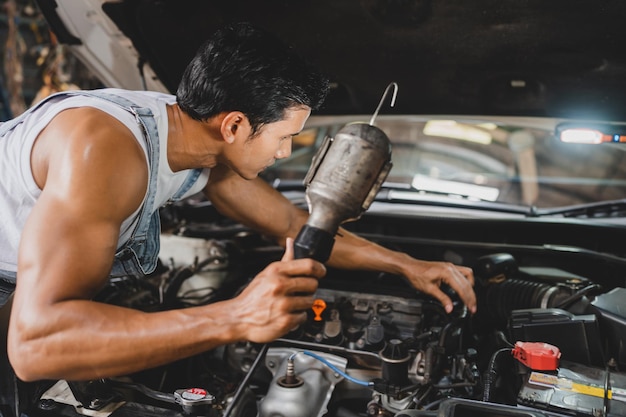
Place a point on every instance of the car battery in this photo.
(575, 389)
(577, 336)
(611, 310)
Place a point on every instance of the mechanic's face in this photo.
(250, 156)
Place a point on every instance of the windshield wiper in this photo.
(404, 193)
(611, 208)
(395, 194)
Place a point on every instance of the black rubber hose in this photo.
(491, 374)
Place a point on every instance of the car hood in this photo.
(560, 58)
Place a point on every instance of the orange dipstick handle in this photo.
(318, 308)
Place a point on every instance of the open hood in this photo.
(558, 58)
(541, 221)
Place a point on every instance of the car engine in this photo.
(549, 337)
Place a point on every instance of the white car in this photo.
(509, 156)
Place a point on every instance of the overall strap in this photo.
(145, 119)
(190, 180)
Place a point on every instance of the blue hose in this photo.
(334, 368)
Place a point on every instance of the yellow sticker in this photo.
(565, 384)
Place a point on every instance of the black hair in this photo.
(243, 68)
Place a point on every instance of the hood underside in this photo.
(558, 58)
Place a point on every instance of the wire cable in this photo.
(491, 374)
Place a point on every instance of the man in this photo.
(83, 176)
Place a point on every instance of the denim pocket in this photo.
(6, 289)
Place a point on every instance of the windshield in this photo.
(515, 161)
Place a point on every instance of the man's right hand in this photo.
(276, 300)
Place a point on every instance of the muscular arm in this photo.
(256, 204)
(94, 175)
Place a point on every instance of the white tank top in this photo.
(19, 192)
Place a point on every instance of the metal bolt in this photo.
(47, 405)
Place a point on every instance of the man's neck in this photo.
(191, 143)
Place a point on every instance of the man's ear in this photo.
(232, 125)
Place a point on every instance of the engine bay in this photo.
(549, 337)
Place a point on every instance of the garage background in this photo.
(33, 65)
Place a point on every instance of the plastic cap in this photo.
(538, 356)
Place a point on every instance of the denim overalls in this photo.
(140, 253)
